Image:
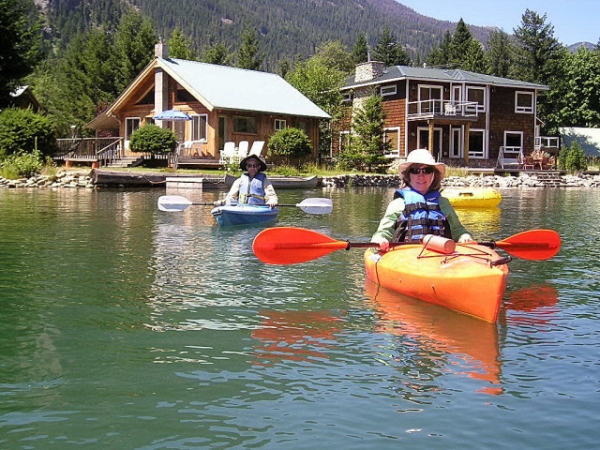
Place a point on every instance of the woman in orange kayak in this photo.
(418, 208)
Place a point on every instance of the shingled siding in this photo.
(503, 118)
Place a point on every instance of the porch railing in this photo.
(423, 109)
(103, 150)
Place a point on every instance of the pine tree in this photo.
(360, 52)
(499, 54)
(388, 51)
(18, 52)
(217, 53)
(134, 45)
(440, 56)
(180, 47)
(248, 56)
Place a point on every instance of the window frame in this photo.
(524, 109)
(200, 128)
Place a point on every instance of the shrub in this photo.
(575, 160)
(22, 130)
(23, 165)
(152, 139)
(290, 143)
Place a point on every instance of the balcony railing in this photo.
(546, 143)
(436, 108)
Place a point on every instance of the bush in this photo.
(576, 161)
(153, 139)
(23, 131)
(23, 165)
(290, 143)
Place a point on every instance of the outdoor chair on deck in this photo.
(528, 163)
(228, 153)
(257, 148)
(243, 149)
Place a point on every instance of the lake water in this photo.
(125, 327)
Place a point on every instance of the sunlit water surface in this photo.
(125, 327)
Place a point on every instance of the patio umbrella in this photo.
(173, 115)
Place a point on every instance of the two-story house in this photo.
(463, 118)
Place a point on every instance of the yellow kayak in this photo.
(485, 197)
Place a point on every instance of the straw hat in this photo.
(422, 156)
(258, 159)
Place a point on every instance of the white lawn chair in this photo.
(228, 153)
(257, 148)
(242, 149)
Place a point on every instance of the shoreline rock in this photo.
(84, 179)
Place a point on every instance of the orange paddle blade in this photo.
(532, 245)
(290, 245)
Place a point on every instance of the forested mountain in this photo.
(287, 28)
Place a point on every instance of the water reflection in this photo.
(295, 335)
(456, 343)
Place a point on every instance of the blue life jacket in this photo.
(422, 215)
(252, 192)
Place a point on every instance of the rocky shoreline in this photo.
(84, 179)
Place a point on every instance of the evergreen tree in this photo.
(134, 45)
(20, 36)
(217, 53)
(388, 51)
(538, 59)
(360, 52)
(367, 147)
(499, 54)
(248, 55)
(440, 56)
(474, 60)
(537, 50)
(180, 47)
(460, 45)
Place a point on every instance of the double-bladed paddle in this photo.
(290, 245)
(177, 203)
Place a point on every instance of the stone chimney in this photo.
(161, 50)
(367, 71)
(161, 80)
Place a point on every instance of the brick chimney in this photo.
(161, 50)
(368, 70)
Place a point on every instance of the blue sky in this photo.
(573, 20)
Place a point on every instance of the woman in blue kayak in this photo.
(252, 187)
(418, 208)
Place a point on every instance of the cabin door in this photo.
(456, 142)
(423, 141)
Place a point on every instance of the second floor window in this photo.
(524, 102)
(477, 95)
(388, 90)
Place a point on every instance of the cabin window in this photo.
(513, 144)
(347, 97)
(477, 143)
(280, 124)
(524, 102)
(131, 125)
(388, 90)
(476, 95)
(244, 125)
(199, 126)
(392, 137)
(183, 96)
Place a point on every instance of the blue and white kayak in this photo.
(242, 214)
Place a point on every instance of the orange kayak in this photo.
(471, 279)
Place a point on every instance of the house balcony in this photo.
(546, 144)
(443, 109)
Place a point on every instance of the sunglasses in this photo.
(253, 165)
(415, 171)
